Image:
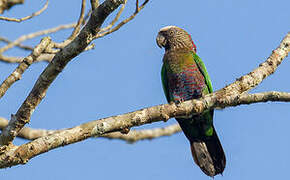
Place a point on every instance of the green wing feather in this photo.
(203, 70)
(207, 114)
(165, 82)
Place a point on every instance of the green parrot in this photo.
(185, 77)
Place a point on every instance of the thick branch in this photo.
(263, 97)
(21, 154)
(136, 135)
(58, 63)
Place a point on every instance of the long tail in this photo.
(209, 155)
(207, 151)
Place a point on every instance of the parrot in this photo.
(184, 77)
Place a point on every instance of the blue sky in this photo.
(122, 74)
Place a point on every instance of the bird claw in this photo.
(125, 131)
(3, 149)
(178, 102)
(165, 117)
(163, 113)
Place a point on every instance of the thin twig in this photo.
(11, 59)
(47, 56)
(35, 34)
(87, 17)
(117, 27)
(94, 4)
(80, 21)
(137, 135)
(28, 48)
(42, 57)
(27, 17)
(116, 18)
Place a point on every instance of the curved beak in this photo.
(160, 40)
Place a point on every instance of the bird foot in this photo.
(3, 149)
(125, 131)
(178, 102)
(165, 117)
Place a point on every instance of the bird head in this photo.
(172, 37)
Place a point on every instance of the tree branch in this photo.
(24, 47)
(117, 27)
(58, 63)
(94, 4)
(50, 52)
(263, 97)
(21, 154)
(42, 57)
(80, 21)
(136, 135)
(17, 73)
(26, 17)
(131, 137)
(115, 19)
(35, 34)
(7, 4)
(226, 97)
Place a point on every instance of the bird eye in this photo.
(171, 32)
